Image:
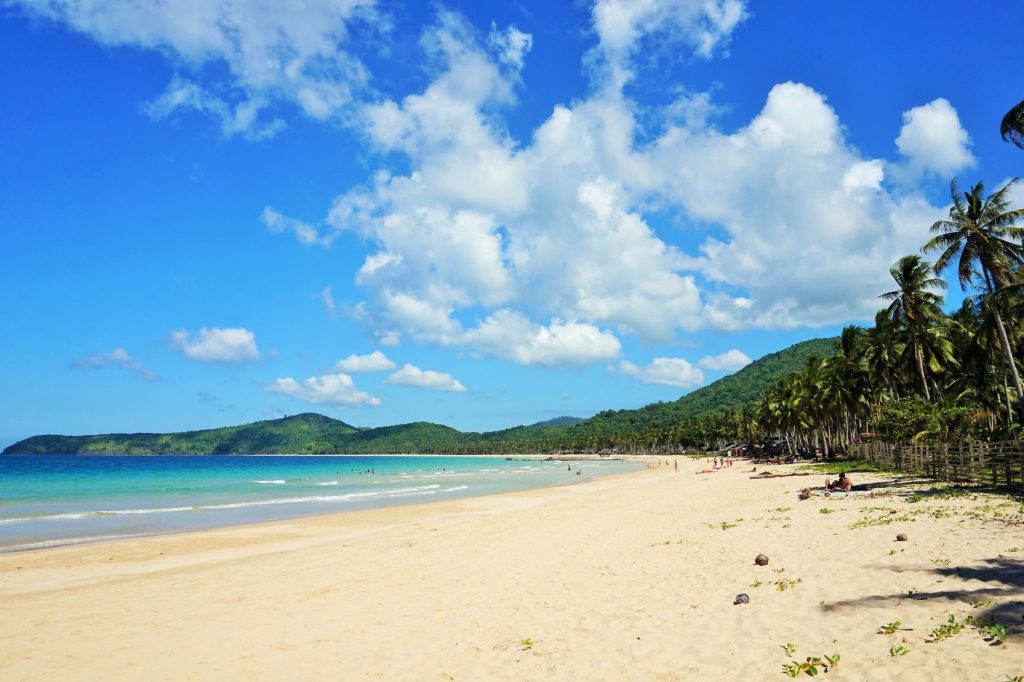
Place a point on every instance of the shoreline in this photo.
(43, 543)
(630, 576)
(525, 455)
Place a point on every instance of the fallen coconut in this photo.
(902, 537)
(741, 599)
(761, 560)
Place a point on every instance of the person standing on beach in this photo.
(677, 466)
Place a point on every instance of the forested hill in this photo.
(312, 433)
(301, 433)
(730, 392)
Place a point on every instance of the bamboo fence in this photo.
(998, 464)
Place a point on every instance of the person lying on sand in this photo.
(841, 483)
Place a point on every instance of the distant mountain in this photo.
(312, 433)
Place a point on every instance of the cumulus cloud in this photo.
(667, 371)
(410, 375)
(543, 250)
(118, 357)
(807, 220)
(331, 389)
(729, 361)
(212, 344)
(268, 52)
(933, 141)
(556, 229)
(511, 336)
(373, 362)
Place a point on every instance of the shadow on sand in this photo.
(1002, 581)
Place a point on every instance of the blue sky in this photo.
(479, 214)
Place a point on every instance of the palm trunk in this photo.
(1006, 397)
(919, 357)
(1008, 354)
(1003, 340)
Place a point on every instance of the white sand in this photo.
(618, 579)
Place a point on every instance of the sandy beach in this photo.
(629, 577)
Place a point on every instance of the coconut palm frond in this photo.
(1012, 127)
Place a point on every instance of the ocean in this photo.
(50, 500)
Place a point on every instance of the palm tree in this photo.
(983, 234)
(879, 356)
(915, 306)
(1012, 127)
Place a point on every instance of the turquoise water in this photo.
(55, 499)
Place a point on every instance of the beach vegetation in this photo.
(788, 648)
(810, 665)
(890, 628)
(995, 633)
(898, 651)
(950, 628)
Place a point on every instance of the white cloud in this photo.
(330, 389)
(511, 45)
(327, 298)
(410, 375)
(511, 336)
(933, 140)
(213, 344)
(269, 52)
(279, 223)
(118, 357)
(701, 25)
(808, 223)
(556, 229)
(373, 362)
(864, 175)
(667, 371)
(729, 361)
(542, 250)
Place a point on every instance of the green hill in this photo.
(559, 421)
(301, 433)
(730, 392)
(312, 433)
